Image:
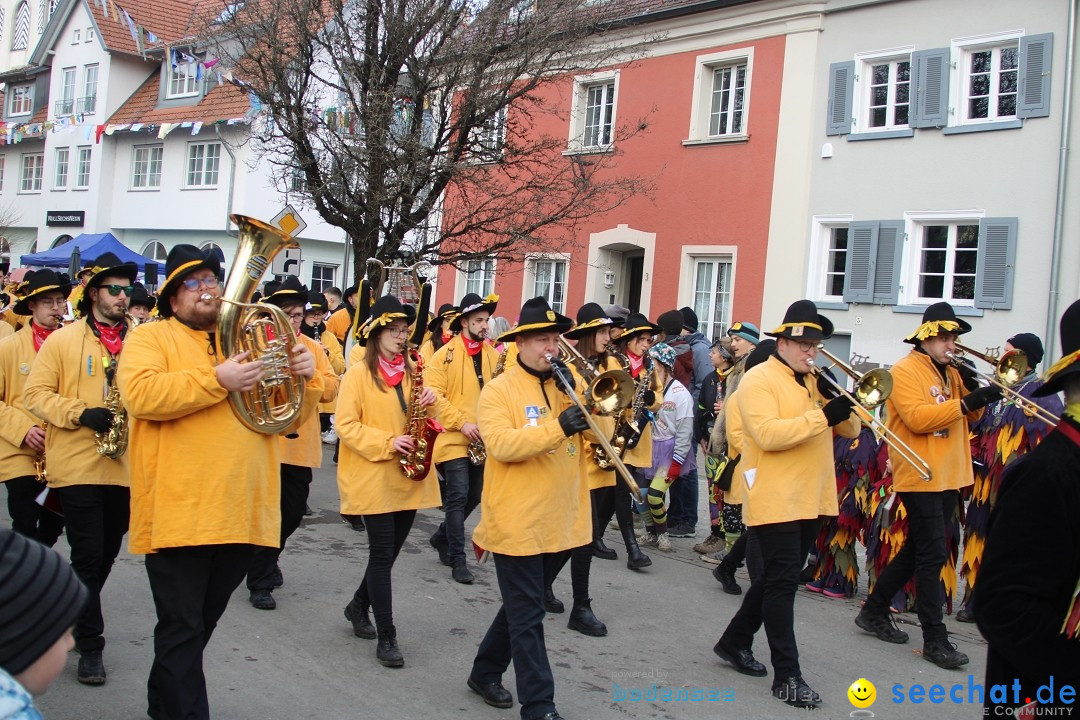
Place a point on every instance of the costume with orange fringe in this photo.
(885, 530)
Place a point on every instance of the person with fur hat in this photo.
(22, 439)
(787, 483)
(930, 409)
(1028, 597)
(75, 370)
(205, 487)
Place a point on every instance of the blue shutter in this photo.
(1036, 54)
(997, 263)
(841, 90)
(861, 258)
(889, 253)
(930, 76)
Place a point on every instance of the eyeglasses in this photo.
(193, 284)
(397, 331)
(296, 315)
(115, 290)
(806, 346)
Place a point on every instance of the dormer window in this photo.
(183, 80)
(21, 100)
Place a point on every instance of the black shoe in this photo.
(682, 531)
(91, 669)
(965, 615)
(361, 623)
(554, 715)
(356, 522)
(494, 693)
(882, 626)
(462, 575)
(743, 660)
(602, 551)
(387, 651)
(635, 559)
(727, 579)
(442, 547)
(308, 512)
(551, 603)
(584, 621)
(795, 692)
(278, 579)
(262, 600)
(943, 654)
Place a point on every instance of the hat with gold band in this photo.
(938, 318)
(36, 284)
(108, 265)
(803, 323)
(1069, 364)
(591, 317)
(537, 316)
(446, 312)
(470, 304)
(290, 290)
(182, 261)
(638, 324)
(384, 311)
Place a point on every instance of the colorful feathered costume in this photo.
(885, 530)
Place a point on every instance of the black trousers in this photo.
(295, 485)
(923, 555)
(96, 517)
(517, 632)
(771, 597)
(191, 588)
(27, 517)
(386, 534)
(608, 501)
(581, 558)
(735, 557)
(464, 482)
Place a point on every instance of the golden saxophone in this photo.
(113, 442)
(422, 429)
(39, 462)
(477, 452)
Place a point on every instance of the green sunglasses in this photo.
(115, 290)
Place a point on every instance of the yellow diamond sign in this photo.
(289, 221)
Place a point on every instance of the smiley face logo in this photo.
(862, 693)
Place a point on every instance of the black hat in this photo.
(289, 290)
(802, 322)
(182, 261)
(937, 318)
(140, 297)
(446, 310)
(1030, 345)
(107, 265)
(384, 310)
(269, 288)
(636, 324)
(1069, 364)
(759, 354)
(40, 598)
(4, 300)
(470, 304)
(536, 315)
(690, 319)
(316, 302)
(590, 317)
(37, 283)
(671, 322)
(351, 290)
(5, 266)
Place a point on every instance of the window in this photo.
(520, 10)
(89, 34)
(21, 39)
(22, 100)
(146, 167)
(155, 251)
(1, 22)
(835, 262)
(888, 93)
(88, 102)
(322, 276)
(549, 281)
(297, 181)
(82, 169)
(712, 295)
(62, 162)
(990, 80)
(592, 124)
(33, 167)
(76, 37)
(728, 94)
(5, 250)
(480, 277)
(202, 164)
(946, 262)
(66, 104)
(182, 80)
(487, 140)
(720, 103)
(2, 158)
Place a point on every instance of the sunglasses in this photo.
(115, 290)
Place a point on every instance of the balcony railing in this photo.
(87, 105)
(65, 106)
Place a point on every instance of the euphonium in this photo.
(419, 427)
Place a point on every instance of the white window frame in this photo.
(487, 284)
(691, 255)
(488, 140)
(88, 104)
(579, 110)
(3, 163)
(914, 222)
(38, 176)
(181, 81)
(24, 96)
(864, 63)
(820, 249)
(65, 104)
(323, 266)
(705, 67)
(197, 170)
(151, 250)
(83, 158)
(961, 51)
(62, 168)
(150, 176)
(528, 286)
(76, 36)
(89, 35)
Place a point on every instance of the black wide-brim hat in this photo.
(1069, 364)
(383, 311)
(537, 316)
(590, 318)
(446, 310)
(290, 290)
(803, 323)
(470, 304)
(140, 297)
(182, 261)
(638, 324)
(38, 283)
(938, 318)
(316, 302)
(108, 265)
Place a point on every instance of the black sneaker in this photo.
(681, 531)
(881, 625)
(361, 623)
(795, 692)
(944, 654)
(462, 575)
(726, 579)
(262, 600)
(91, 670)
(442, 547)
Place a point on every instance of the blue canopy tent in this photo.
(90, 247)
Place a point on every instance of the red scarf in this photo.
(40, 334)
(447, 336)
(636, 363)
(472, 346)
(110, 336)
(392, 370)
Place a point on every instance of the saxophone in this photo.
(422, 429)
(39, 462)
(477, 452)
(113, 442)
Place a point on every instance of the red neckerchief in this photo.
(636, 363)
(40, 334)
(110, 336)
(471, 346)
(447, 336)
(392, 370)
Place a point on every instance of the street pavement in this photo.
(302, 660)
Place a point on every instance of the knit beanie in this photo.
(40, 598)
(671, 322)
(1031, 345)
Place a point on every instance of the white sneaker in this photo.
(648, 539)
(329, 437)
(663, 542)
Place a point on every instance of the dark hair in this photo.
(336, 292)
(83, 306)
(371, 358)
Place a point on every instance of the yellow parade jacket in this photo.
(595, 476)
(17, 355)
(924, 411)
(339, 323)
(640, 456)
(6, 330)
(733, 431)
(534, 499)
(427, 349)
(306, 450)
(199, 476)
(787, 469)
(368, 419)
(335, 352)
(450, 372)
(66, 378)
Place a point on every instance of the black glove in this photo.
(561, 375)
(97, 419)
(980, 398)
(649, 397)
(837, 410)
(572, 421)
(827, 390)
(969, 376)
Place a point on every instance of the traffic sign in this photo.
(289, 221)
(287, 262)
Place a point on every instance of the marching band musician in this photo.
(439, 330)
(69, 387)
(300, 451)
(341, 320)
(6, 328)
(457, 372)
(377, 398)
(197, 519)
(23, 438)
(535, 509)
(141, 303)
(929, 409)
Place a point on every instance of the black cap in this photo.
(289, 290)
(140, 297)
(316, 302)
(671, 322)
(446, 310)
(1069, 364)
(470, 304)
(1030, 345)
(589, 318)
(690, 319)
(638, 324)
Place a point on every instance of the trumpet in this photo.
(871, 390)
(1009, 368)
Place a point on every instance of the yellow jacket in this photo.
(199, 477)
(534, 499)
(368, 419)
(6, 330)
(306, 450)
(733, 430)
(335, 352)
(450, 372)
(66, 378)
(339, 323)
(932, 424)
(17, 355)
(640, 456)
(595, 476)
(427, 349)
(787, 469)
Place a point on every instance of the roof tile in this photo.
(222, 102)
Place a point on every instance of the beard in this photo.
(111, 313)
(200, 316)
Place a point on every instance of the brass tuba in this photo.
(274, 404)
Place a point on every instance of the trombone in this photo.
(606, 392)
(871, 390)
(1009, 368)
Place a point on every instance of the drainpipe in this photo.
(232, 180)
(1063, 166)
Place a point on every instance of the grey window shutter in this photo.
(931, 91)
(861, 258)
(841, 89)
(889, 253)
(1036, 53)
(997, 261)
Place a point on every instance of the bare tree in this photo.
(416, 125)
